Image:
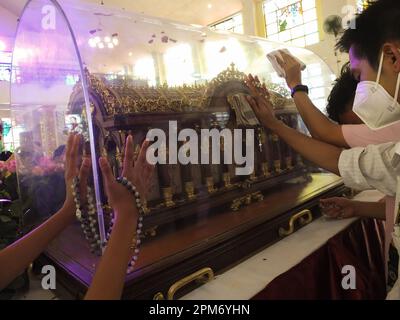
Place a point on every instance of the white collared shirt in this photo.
(373, 167)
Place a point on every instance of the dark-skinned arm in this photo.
(322, 154)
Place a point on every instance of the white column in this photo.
(249, 17)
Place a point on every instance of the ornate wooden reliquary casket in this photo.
(179, 190)
(135, 74)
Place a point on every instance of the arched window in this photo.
(233, 24)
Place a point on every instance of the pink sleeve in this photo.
(361, 136)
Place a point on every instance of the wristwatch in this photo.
(298, 88)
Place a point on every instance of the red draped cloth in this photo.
(319, 276)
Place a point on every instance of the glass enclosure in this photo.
(105, 73)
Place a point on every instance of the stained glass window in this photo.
(9, 142)
(233, 24)
(292, 21)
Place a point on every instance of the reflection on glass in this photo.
(144, 70)
(46, 72)
(179, 65)
(233, 24)
(134, 74)
(221, 54)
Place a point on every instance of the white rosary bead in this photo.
(125, 182)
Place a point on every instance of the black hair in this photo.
(379, 23)
(5, 155)
(342, 94)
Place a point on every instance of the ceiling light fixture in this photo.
(92, 43)
(101, 42)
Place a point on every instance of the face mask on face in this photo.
(374, 105)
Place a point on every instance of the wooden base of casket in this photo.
(217, 240)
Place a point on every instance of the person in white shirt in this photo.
(374, 48)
